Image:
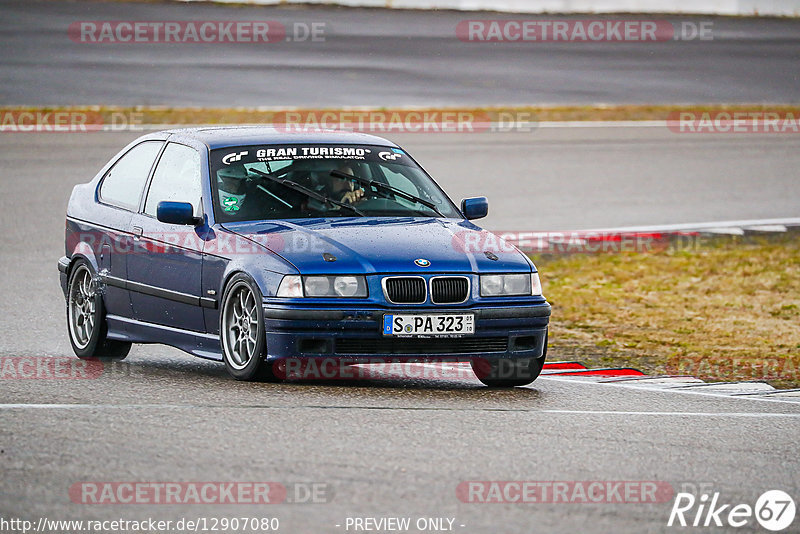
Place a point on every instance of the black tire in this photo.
(507, 373)
(86, 318)
(241, 328)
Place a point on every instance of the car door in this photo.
(119, 196)
(165, 273)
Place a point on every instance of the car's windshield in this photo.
(296, 181)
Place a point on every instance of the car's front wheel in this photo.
(86, 321)
(242, 331)
(507, 373)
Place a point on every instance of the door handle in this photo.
(137, 231)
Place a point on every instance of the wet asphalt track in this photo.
(385, 447)
(380, 58)
(388, 447)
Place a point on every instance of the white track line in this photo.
(548, 411)
(687, 414)
(666, 390)
(787, 221)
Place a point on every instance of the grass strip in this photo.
(721, 309)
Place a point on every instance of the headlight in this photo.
(291, 286)
(348, 286)
(323, 286)
(508, 285)
(317, 286)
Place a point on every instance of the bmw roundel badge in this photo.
(422, 262)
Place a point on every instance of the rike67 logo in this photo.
(774, 510)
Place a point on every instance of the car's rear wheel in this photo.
(241, 331)
(86, 321)
(507, 373)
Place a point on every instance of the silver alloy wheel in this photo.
(82, 306)
(240, 325)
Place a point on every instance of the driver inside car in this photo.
(342, 189)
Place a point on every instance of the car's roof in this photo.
(227, 136)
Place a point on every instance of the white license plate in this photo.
(429, 325)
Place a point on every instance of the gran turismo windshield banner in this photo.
(268, 153)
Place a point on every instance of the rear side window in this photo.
(177, 179)
(122, 186)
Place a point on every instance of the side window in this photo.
(177, 178)
(122, 186)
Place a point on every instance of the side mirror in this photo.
(176, 213)
(475, 208)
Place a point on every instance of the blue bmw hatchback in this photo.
(254, 246)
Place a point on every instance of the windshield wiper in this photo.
(385, 187)
(308, 192)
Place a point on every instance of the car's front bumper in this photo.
(516, 331)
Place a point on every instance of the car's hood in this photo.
(384, 245)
